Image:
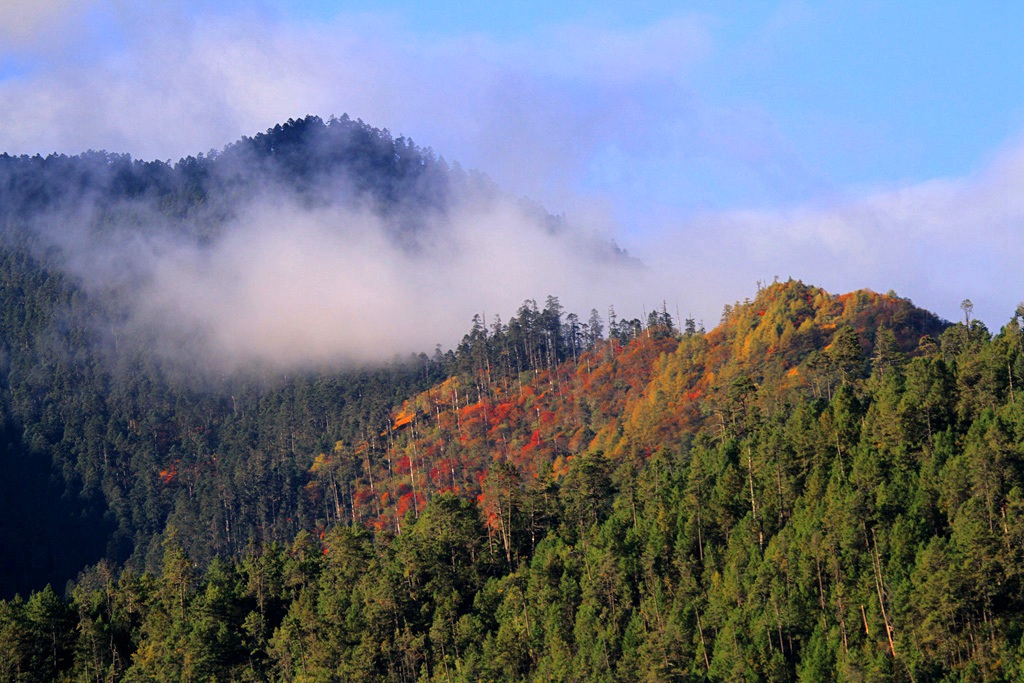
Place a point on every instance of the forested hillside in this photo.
(106, 437)
(335, 161)
(94, 423)
(820, 487)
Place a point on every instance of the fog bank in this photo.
(289, 286)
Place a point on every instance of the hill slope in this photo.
(641, 391)
(823, 487)
(98, 412)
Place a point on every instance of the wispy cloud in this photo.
(605, 123)
(532, 112)
(287, 285)
(24, 23)
(938, 242)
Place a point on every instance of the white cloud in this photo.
(290, 286)
(531, 112)
(938, 242)
(23, 23)
(590, 120)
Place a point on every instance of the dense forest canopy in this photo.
(820, 487)
(308, 155)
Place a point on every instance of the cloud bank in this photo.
(937, 242)
(534, 113)
(292, 286)
(605, 124)
(286, 286)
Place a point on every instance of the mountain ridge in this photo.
(820, 487)
(794, 494)
(782, 339)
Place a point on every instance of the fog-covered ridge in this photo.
(314, 242)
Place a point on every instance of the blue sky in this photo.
(849, 144)
(858, 93)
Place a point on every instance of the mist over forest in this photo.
(313, 243)
(618, 342)
(321, 405)
(162, 302)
